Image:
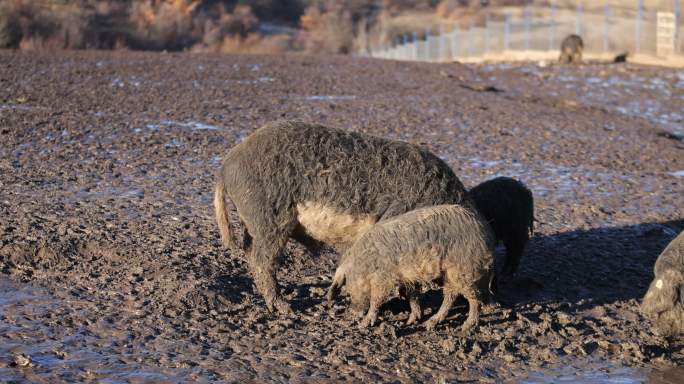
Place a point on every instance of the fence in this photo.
(534, 32)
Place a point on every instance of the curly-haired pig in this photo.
(451, 243)
(318, 185)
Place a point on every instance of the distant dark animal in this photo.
(452, 243)
(508, 206)
(621, 58)
(664, 300)
(571, 49)
(321, 185)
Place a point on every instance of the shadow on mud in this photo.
(232, 288)
(601, 264)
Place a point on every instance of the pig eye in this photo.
(659, 284)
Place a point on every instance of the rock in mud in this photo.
(22, 360)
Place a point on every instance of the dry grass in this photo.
(327, 30)
(251, 43)
(142, 24)
(38, 25)
(163, 25)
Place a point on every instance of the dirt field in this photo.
(110, 257)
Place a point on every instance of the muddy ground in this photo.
(110, 258)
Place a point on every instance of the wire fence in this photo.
(535, 32)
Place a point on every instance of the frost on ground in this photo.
(110, 259)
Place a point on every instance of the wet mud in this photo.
(111, 267)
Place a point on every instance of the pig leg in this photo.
(410, 293)
(379, 293)
(269, 235)
(262, 263)
(338, 282)
(371, 316)
(473, 312)
(451, 289)
(514, 250)
(449, 297)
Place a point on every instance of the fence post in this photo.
(405, 46)
(471, 37)
(552, 34)
(454, 43)
(397, 54)
(427, 44)
(578, 20)
(637, 42)
(438, 54)
(606, 14)
(526, 21)
(440, 40)
(415, 46)
(400, 48)
(487, 33)
(677, 31)
(507, 32)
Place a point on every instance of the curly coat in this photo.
(571, 49)
(508, 206)
(316, 184)
(448, 242)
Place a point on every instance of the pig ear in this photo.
(660, 296)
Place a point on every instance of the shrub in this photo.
(327, 30)
(162, 24)
(10, 32)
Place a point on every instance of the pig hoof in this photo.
(330, 299)
(413, 318)
(467, 326)
(430, 325)
(281, 307)
(366, 322)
